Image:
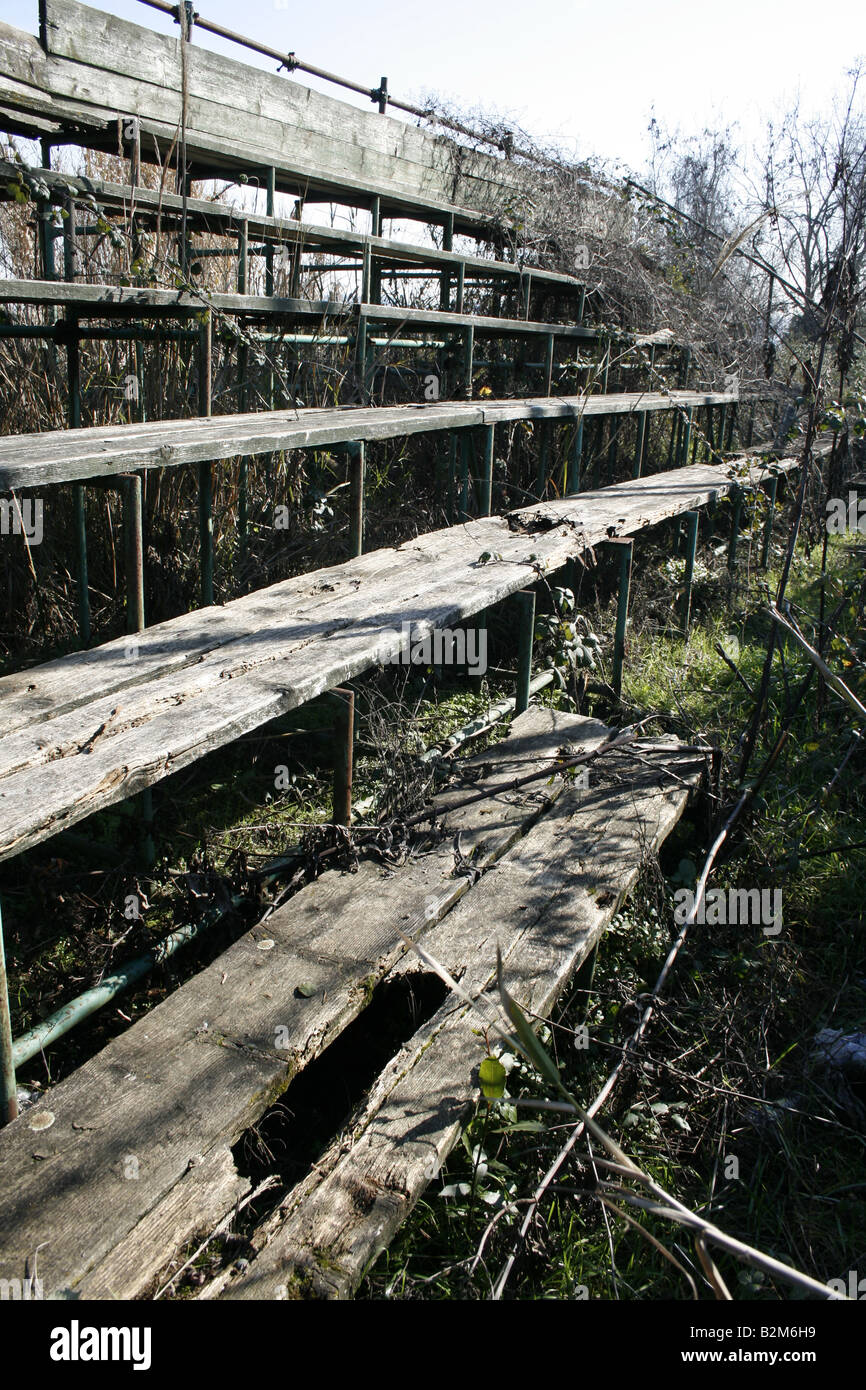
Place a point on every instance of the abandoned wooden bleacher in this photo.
(179, 1090)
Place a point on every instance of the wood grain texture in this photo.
(122, 728)
(545, 905)
(58, 456)
(180, 1086)
(98, 66)
(110, 300)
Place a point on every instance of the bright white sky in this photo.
(585, 74)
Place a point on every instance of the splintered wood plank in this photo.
(60, 770)
(545, 904)
(98, 451)
(177, 1089)
(198, 1201)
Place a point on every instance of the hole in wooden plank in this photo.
(304, 1121)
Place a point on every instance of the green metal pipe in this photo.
(344, 738)
(737, 499)
(732, 420)
(544, 452)
(693, 520)
(675, 425)
(768, 523)
(640, 447)
(36, 1039)
(486, 499)
(687, 437)
(445, 279)
(70, 243)
(269, 251)
(134, 552)
(357, 479)
(625, 548)
(73, 363)
(687, 367)
(468, 356)
(8, 1087)
(243, 465)
(28, 330)
(525, 635)
(548, 364)
(205, 531)
(205, 470)
(573, 481)
(361, 359)
(243, 257)
(46, 243)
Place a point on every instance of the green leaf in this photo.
(492, 1076)
(528, 1042)
(306, 990)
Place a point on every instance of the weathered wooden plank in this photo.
(483, 324)
(106, 300)
(56, 456)
(197, 1202)
(117, 744)
(181, 1085)
(258, 108)
(55, 687)
(363, 156)
(545, 905)
(213, 157)
(222, 218)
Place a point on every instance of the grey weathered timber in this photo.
(219, 218)
(179, 1087)
(111, 300)
(482, 324)
(57, 456)
(241, 117)
(125, 726)
(545, 905)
